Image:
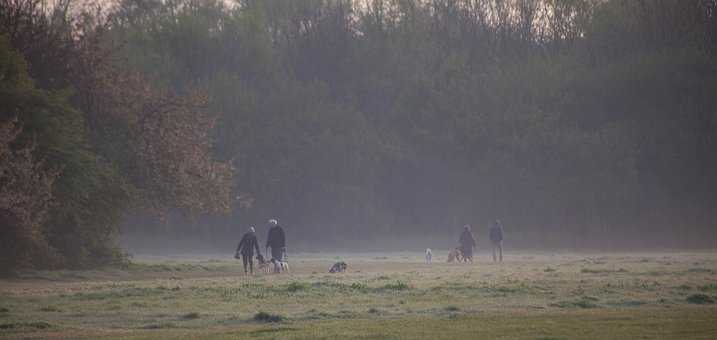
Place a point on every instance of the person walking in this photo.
(276, 240)
(496, 239)
(246, 248)
(467, 242)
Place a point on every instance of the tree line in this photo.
(577, 122)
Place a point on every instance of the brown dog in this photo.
(264, 266)
(455, 255)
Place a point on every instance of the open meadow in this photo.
(382, 296)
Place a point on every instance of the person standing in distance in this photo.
(468, 243)
(246, 249)
(496, 239)
(276, 240)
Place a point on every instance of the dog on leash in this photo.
(280, 266)
(264, 265)
(338, 267)
(429, 255)
(455, 255)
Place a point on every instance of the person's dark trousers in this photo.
(248, 262)
(277, 254)
(498, 247)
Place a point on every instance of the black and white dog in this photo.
(338, 267)
(280, 266)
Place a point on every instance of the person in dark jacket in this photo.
(468, 242)
(276, 240)
(246, 248)
(496, 239)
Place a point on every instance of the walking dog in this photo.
(264, 266)
(280, 266)
(338, 267)
(455, 255)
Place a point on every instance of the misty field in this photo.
(382, 296)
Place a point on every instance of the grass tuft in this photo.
(627, 303)
(266, 317)
(601, 270)
(699, 270)
(359, 286)
(700, 299)
(709, 287)
(191, 316)
(584, 302)
(296, 286)
(162, 325)
(35, 325)
(398, 285)
(50, 309)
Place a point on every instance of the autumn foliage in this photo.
(85, 140)
(25, 198)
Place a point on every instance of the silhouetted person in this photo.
(468, 242)
(496, 239)
(276, 240)
(246, 248)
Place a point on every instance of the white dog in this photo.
(429, 255)
(280, 266)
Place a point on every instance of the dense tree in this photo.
(118, 143)
(25, 181)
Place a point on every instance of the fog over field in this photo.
(380, 169)
(174, 126)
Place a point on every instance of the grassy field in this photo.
(383, 296)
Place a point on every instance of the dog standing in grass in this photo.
(265, 266)
(454, 255)
(280, 266)
(338, 267)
